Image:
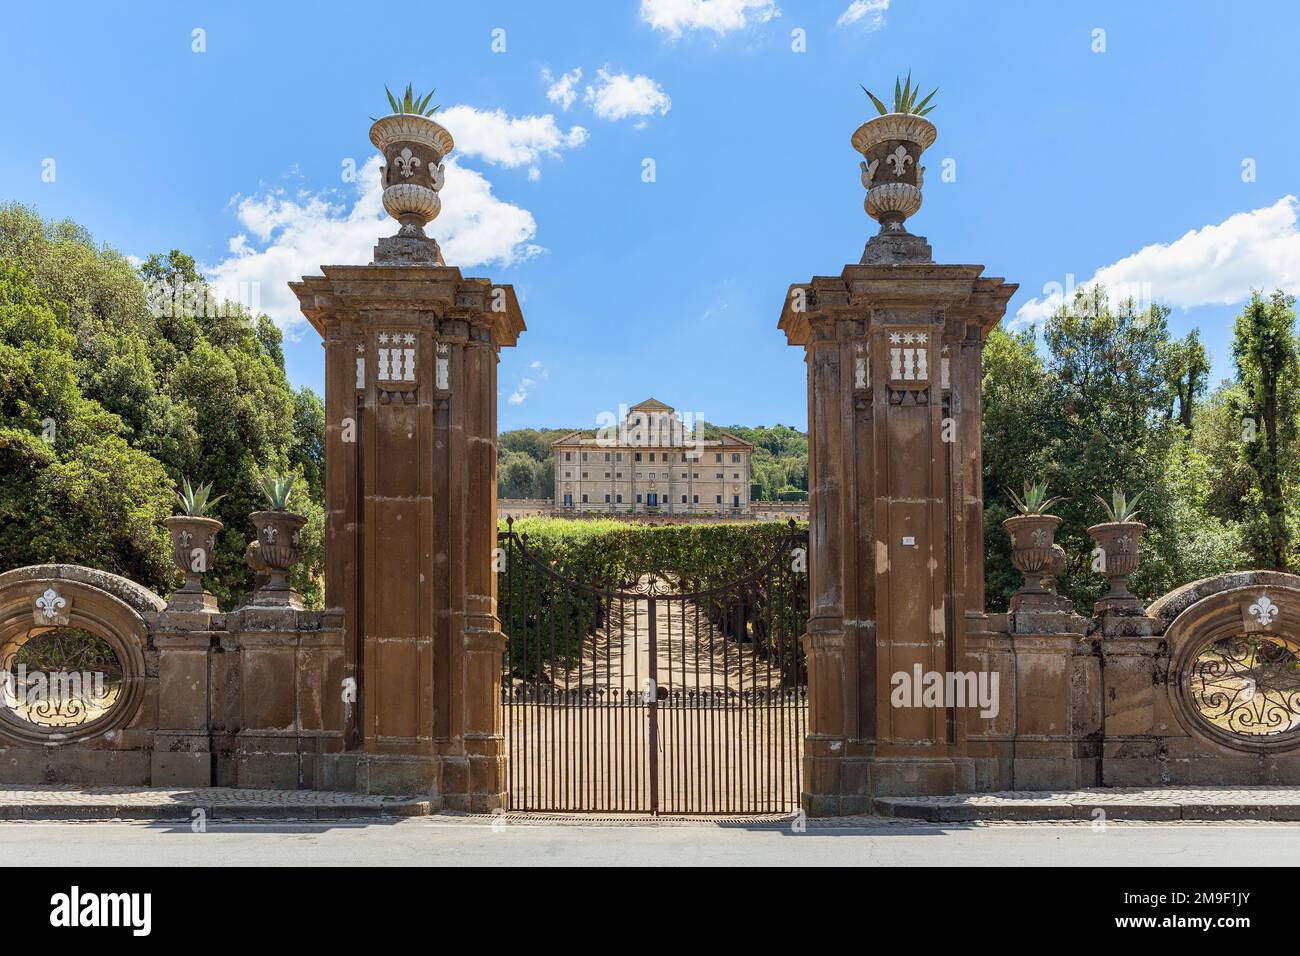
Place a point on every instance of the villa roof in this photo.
(651, 405)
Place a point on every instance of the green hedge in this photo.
(548, 621)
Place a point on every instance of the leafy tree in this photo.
(1264, 349)
(191, 386)
(1187, 370)
(73, 490)
(1021, 418)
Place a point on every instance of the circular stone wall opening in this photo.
(1244, 689)
(59, 681)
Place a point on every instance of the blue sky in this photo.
(1069, 161)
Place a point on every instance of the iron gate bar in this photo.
(581, 739)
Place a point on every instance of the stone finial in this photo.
(414, 147)
(892, 174)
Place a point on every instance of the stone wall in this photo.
(246, 698)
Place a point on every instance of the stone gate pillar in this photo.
(411, 351)
(893, 349)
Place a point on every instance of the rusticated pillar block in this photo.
(410, 405)
(896, 515)
(183, 747)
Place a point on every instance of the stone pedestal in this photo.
(896, 518)
(410, 397)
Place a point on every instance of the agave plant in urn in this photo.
(278, 530)
(194, 535)
(414, 147)
(1033, 550)
(1118, 539)
(891, 145)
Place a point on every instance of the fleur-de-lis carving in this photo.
(899, 159)
(439, 176)
(869, 172)
(186, 538)
(50, 603)
(1040, 538)
(1263, 610)
(406, 161)
(268, 534)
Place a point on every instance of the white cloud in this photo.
(616, 96)
(564, 90)
(508, 140)
(286, 237)
(527, 384)
(1217, 264)
(871, 13)
(720, 16)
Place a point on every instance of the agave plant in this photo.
(196, 502)
(411, 102)
(277, 490)
(1120, 508)
(1035, 500)
(904, 98)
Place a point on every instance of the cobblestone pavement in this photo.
(68, 802)
(1145, 803)
(1189, 805)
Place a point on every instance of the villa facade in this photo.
(652, 463)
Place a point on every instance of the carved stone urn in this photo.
(1033, 551)
(414, 147)
(193, 541)
(891, 147)
(277, 546)
(1119, 542)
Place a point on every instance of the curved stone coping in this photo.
(1167, 608)
(135, 595)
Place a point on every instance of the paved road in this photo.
(457, 842)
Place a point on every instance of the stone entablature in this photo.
(652, 463)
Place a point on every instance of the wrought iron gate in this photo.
(660, 694)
